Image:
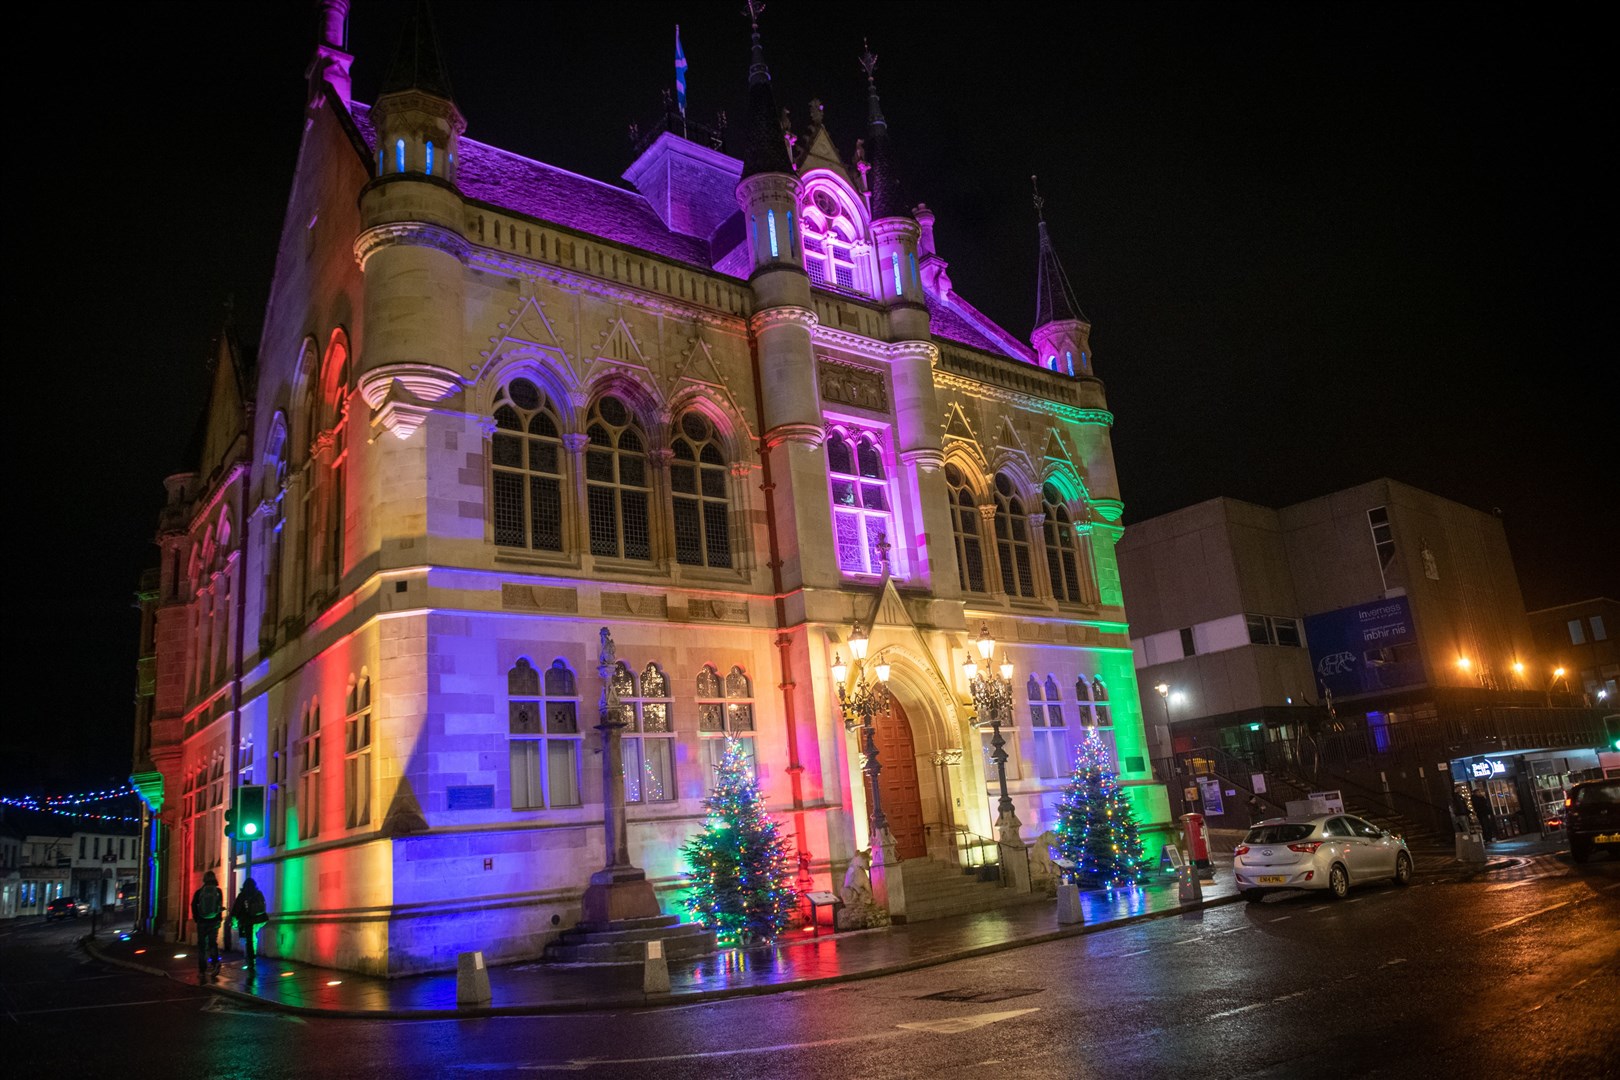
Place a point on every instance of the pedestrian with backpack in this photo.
(207, 907)
(249, 912)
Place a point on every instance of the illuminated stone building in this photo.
(497, 407)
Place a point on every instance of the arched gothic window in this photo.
(526, 456)
(725, 711)
(830, 233)
(1051, 735)
(545, 737)
(309, 772)
(1062, 562)
(697, 480)
(357, 754)
(1012, 540)
(616, 482)
(649, 736)
(860, 498)
(965, 525)
(1099, 693)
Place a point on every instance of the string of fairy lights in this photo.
(66, 805)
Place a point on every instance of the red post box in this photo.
(1197, 839)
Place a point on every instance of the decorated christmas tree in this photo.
(1096, 828)
(739, 865)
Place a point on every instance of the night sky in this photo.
(1317, 244)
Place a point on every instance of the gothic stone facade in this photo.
(497, 407)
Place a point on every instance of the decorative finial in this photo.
(816, 112)
(868, 62)
(757, 71)
(1040, 203)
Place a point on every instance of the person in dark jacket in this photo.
(1257, 810)
(207, 908)
(249, 912)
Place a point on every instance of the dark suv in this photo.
(1592, 817)
(63, 907)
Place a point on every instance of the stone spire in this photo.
(329, 67)
(764, 150)
(888, 195)
(1054, 298)
(418, 63)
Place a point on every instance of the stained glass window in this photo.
(860, 499)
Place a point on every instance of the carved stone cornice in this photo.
(811, 435)
(973, 387)
(926, 459)
(413, 233)
(779, 187)
(871, 348)
(987, 511)
(771, 318)
(851, 384)
(402, 395)
(1110, 510)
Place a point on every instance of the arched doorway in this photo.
(902, 801)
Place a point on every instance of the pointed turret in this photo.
(887, 192)
(768, 192)
(418, 124)
(764, 149)
(1062, 336)
(894, 231)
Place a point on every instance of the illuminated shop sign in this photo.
(1482, 769)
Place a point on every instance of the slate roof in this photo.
(594, 208)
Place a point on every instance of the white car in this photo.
(1328, 851)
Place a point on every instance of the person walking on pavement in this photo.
(249, 912)
(207, 906)
(1257, 810)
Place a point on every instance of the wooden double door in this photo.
(902, 800)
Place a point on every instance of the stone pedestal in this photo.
(1470, 848)
(616, 893)
(1068, 904)
(1014, 853)
(888, 881)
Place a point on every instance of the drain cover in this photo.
(980, 995)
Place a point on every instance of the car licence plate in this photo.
(1607, 838)
(1272, 879)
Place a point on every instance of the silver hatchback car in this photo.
(1328, 851)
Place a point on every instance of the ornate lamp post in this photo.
(860, 702)
(992, 705)
(619, 890)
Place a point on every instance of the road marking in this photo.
(1255, 1005)
(1319, 907)
(953, 1025)
(1235, 930)
(1357, 900)
(1282, 918)
(1542, 911)
(1392, 963)
(108, 1005)
(939, 1027)
(1138, 952)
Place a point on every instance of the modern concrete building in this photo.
(731, 413)
(1372, 640)
(1583, 639)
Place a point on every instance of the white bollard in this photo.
(655, 970)
(472, 979)
(1068, 904)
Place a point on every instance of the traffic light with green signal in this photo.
(245, 819)
(1611, 732)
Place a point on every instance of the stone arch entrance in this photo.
(898, 781)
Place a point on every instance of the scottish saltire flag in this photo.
(680, 72)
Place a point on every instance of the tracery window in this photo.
(1062, 562)
(1012, 540)
(357, 755)
(1099, 694)
(860, 498)
(526, 454)
(1051, 734)
(725, 710)
(697, 480)
(309, 772)
(616, 482)
(965, 520)
(829, 233)
(648, 742)
(545, 736)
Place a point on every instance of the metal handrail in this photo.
(969, 850)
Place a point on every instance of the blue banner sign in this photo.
(1365, 648)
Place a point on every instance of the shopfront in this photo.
(1523, 792)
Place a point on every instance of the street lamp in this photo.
(861, 702)
(992, 704)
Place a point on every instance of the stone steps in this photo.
(935, 890)
(625, 942)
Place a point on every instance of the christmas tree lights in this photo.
(739, 865)
(1096, 828)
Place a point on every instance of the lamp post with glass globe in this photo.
(992, 705)
(861, 701)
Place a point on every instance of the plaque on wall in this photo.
(471, 797)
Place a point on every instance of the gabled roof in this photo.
(418, 63)
(954, 319)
